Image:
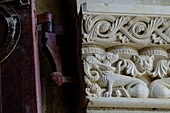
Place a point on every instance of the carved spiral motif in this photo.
(139, 29)
(98, 28)
(124, 29)
(104, 27)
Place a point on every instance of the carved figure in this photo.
(135, 87)
(99, 70)
(160, 88)
(129, 67)
(144, 63)
(92, 65)
(126, 55)
(136, 67)
(93, 88)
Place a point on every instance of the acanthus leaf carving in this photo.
(129, 67)
(161, 69)
(102, 28)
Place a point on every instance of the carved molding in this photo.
(154, 51)
(125, 29)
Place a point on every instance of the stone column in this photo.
(125, 55)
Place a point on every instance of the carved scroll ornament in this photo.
(125, 29)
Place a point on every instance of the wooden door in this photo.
(19, 64)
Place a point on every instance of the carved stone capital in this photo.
(126, 54)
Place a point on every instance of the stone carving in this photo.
(144, 63)
(161, 69)
(101, 74)
(125, 29)
(125, 54)
(158, 51)
(160, 88)
(109, 75)
(123, 50)
(107, 72)
(128, 66)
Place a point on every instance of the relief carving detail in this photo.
(126, 54)
(125, 29)
(108, 74)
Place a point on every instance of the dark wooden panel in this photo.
(23, 1)
(0, 93)
(15, 2)
(18, 71)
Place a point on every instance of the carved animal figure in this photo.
(104, 75)
(128, 67)
(135, 87)
(144, 62)
(160, 88)
(144, 65)
(136, 67)
(92, 65)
